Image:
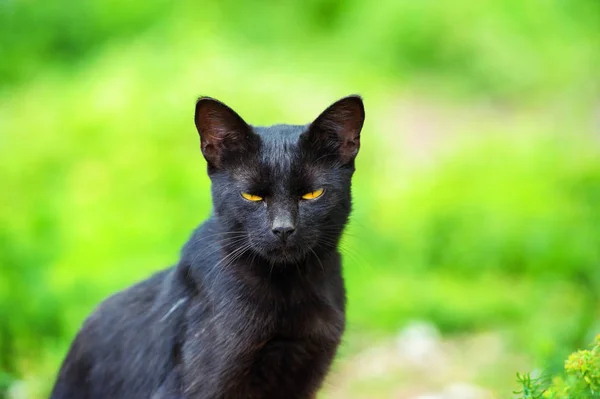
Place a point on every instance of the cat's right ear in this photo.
(337, 129)
(224, 135)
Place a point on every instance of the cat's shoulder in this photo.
(119, 308)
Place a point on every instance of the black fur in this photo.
(245, 313)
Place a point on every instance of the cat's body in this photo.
(255, 306)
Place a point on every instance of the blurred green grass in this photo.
(478, 184)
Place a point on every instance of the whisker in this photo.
(227, 259)
(216, 246)
(319, 260)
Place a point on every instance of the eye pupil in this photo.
(313, 194)
(308, 196)
(251, 197)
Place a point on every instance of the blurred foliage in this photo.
(505, 47)
(102, 180)
(581, 379)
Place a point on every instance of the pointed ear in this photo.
(338, 128)
(223, 133)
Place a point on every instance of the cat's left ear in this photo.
(338, 128)
(224, 136)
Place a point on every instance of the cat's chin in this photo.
(284, 255)
(279, 253)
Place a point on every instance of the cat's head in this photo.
(282, 192)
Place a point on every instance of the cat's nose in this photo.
(283, 232)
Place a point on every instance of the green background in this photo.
(477, 192)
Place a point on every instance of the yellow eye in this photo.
(252, 197)
(313, 194)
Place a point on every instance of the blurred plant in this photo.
(581, 379)
(531, 387)
(61, 33)
(29, 310)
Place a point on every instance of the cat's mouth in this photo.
(279, 251)
(287, 256)
(284, 253)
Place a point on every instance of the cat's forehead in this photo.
(280, 160)
(278, 137)
(279, 144)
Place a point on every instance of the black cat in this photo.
(255, 308)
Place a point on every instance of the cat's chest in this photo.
(297, 311)
(271, 340)
(288, 306)
(255, 319)
(305, 319)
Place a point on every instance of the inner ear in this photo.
(223, 133)
(338, 128)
